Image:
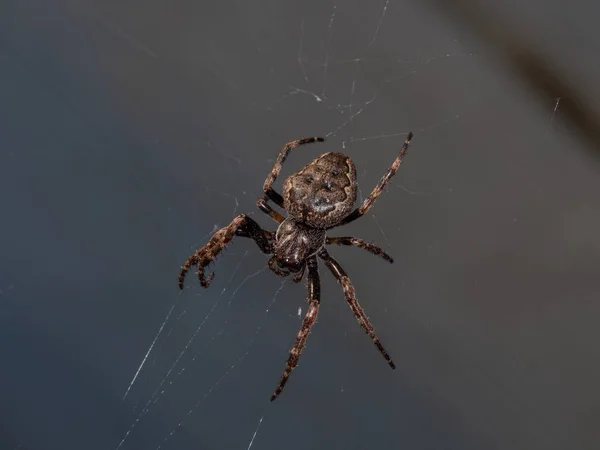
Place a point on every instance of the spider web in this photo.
(131, 131)
(209, 92)
(340, 62)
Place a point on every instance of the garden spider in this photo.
(319, 197)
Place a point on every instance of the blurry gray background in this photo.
(130, 130)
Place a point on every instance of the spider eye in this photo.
(328, 185)
(335, 172)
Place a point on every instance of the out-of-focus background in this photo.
(130, 131)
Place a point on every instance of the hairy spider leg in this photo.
(270, 193)
(264, 207)
(368, 202)
(356, 242)
(314, 299)
(243, 226)
(339, 273)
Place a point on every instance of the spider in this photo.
(317, 198)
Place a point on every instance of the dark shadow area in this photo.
(545, 74)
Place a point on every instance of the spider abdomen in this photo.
(294, 243)
(323, 192)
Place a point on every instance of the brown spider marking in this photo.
(322, 192)
(317, 198)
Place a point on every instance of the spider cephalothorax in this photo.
(317, 198)
(294, 243)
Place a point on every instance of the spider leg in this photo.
(356, 242)
(264, 207)
(269, 235)
(283, 154)
(368, 202)
(339, 273)
(314, 298)
(243, 226)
